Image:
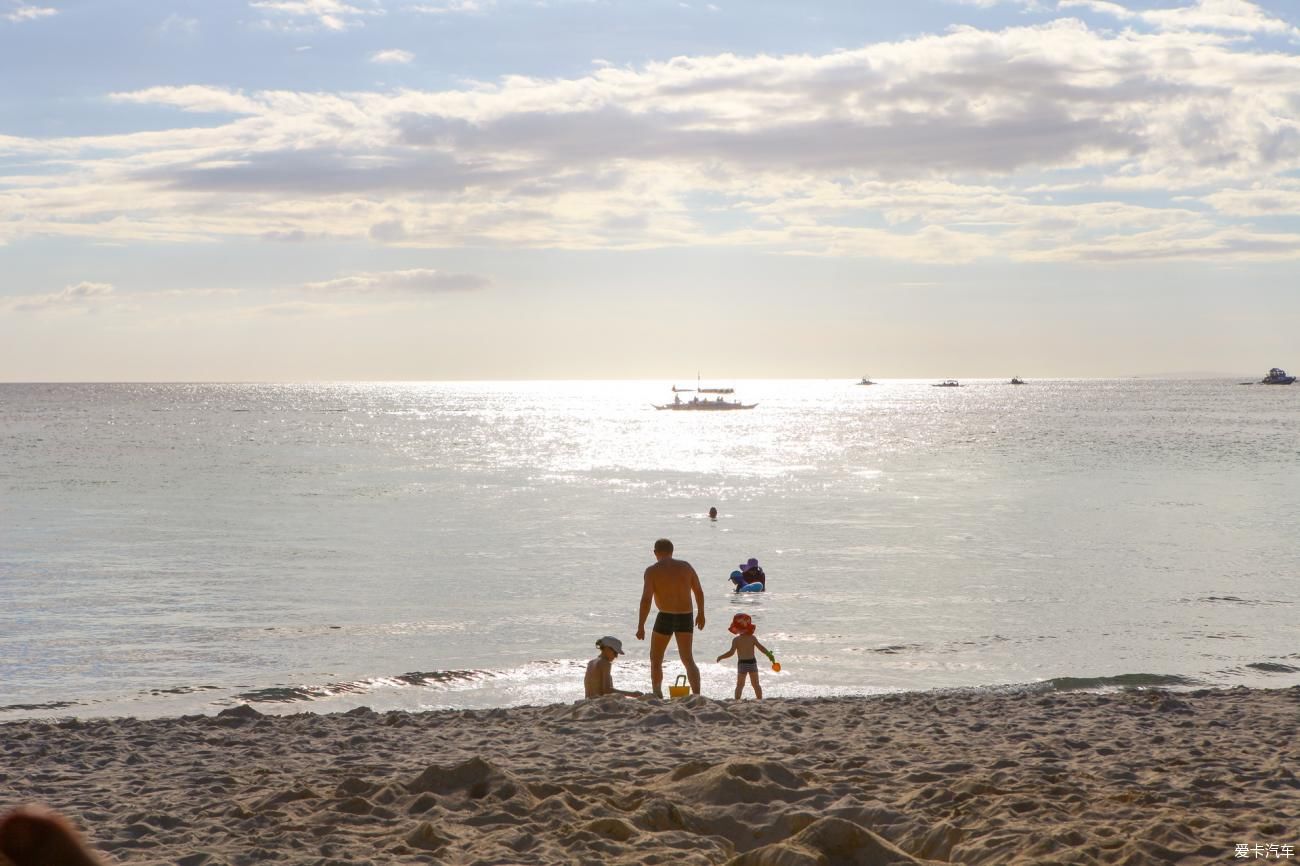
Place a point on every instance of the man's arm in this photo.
(699, 598)
(647, 593)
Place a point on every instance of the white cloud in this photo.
(939, 148)
(80, 296)
(1240, 16)
(23, 12)
(308, 14)
(179, 24)
(392, 55)
(195, 98)
(416, 280)
(452, 7)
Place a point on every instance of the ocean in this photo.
(168, 549)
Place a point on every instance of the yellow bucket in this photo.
(679, 689)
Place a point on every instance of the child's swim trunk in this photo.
(747, 666)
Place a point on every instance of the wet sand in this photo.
(967, 777)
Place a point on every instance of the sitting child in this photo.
(744, 643)
(600, 677)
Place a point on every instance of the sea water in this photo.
(178, 548)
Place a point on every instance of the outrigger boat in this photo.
(716, 404)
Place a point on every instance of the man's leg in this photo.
(658, 644)
(685, 640)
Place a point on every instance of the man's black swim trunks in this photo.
(669, 623)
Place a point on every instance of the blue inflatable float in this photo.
(739, 580)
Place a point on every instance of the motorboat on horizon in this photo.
(1277, 376)
(1016, 380)
(947, 383)
(866, 381)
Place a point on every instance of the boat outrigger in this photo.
(717, 403)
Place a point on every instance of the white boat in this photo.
(947, 383)
(1277, 376)
(866, 381)
(717, 402)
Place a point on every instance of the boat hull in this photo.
(704, 406)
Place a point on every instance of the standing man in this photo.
(671, 583)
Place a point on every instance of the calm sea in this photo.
(167, 549)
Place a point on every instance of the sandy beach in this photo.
(978, 778)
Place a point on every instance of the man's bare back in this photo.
(671, 581)
(672, 585)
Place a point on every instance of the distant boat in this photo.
(1277, 376)
(866, 381)
(1016, 380)
(947, 383)
(717, 404)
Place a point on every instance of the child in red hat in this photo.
(743, 645)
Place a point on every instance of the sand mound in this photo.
(475, 779)
(734, 782)
(829, 842)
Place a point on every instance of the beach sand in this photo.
(965, 777)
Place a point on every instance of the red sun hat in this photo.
(741, 624)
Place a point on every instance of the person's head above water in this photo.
(663, 547)
(713, 513)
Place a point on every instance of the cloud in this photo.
(23, 12)
(1229, 15)
(179, 24)
(452, 7)
(417, 280)
(392, 55)
(80, 296)
(1054, 140)
(312, 14)
(195, 98)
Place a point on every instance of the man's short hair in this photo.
(663, 545)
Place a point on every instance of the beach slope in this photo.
(967, 777)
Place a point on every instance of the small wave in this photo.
(894, 649)
(1274, 668)
(183, 690)
(52, 705)
(1121, 681)
(295, 694)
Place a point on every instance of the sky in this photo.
(323, 190)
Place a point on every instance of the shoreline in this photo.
(980, 778)
(401, 693)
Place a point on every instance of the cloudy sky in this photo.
(461, 189)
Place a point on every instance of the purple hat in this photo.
(746, 566)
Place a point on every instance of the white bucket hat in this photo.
(612, 642)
